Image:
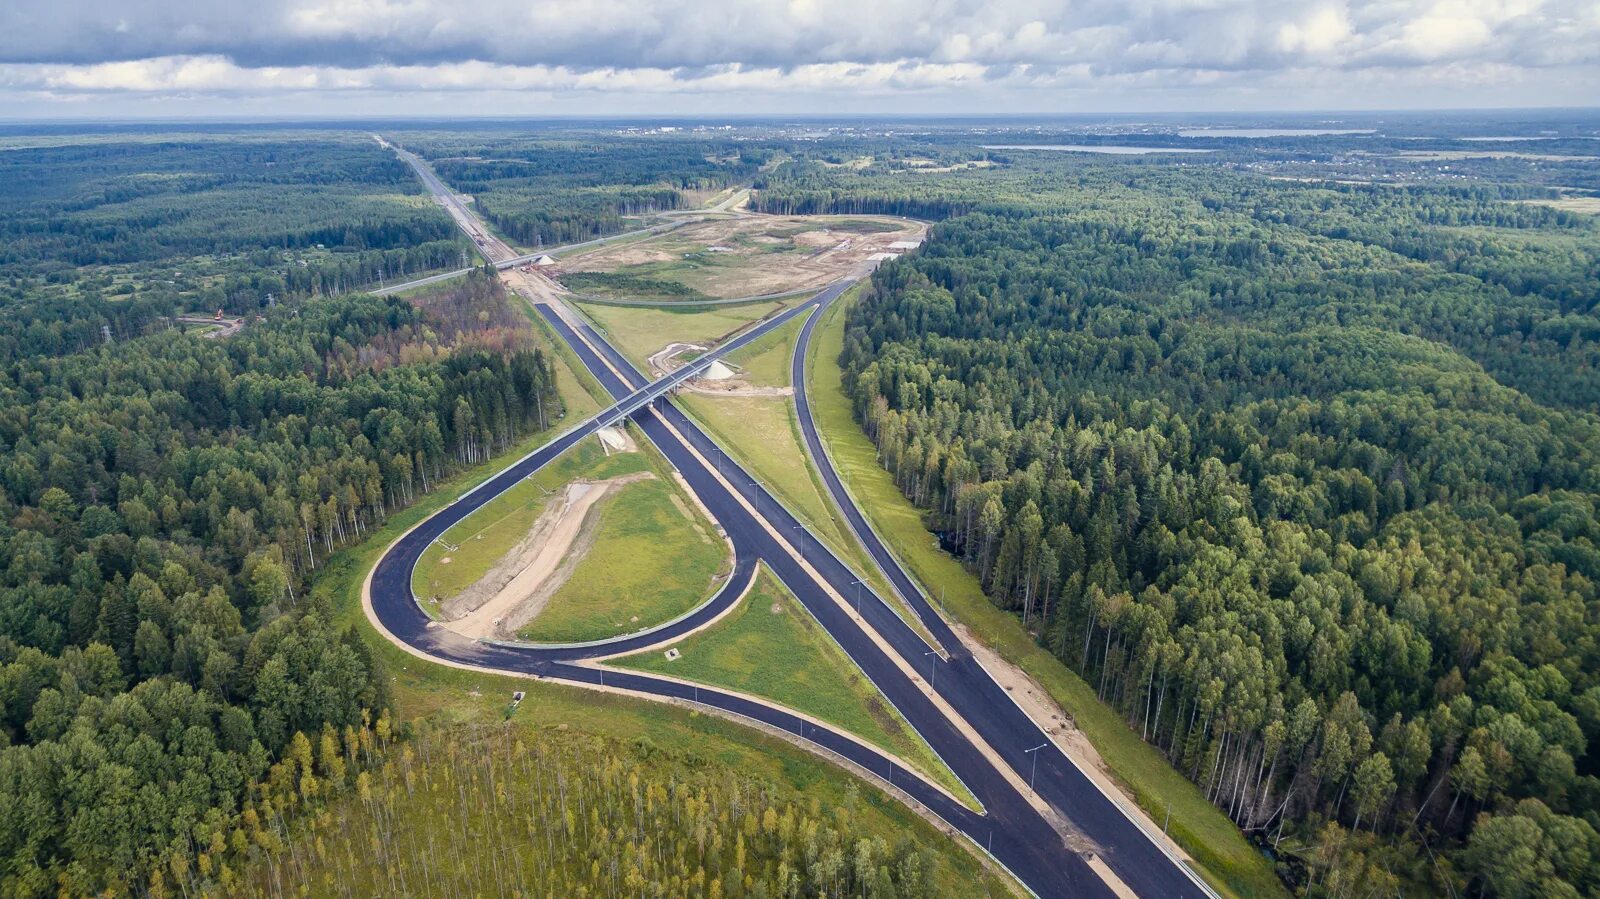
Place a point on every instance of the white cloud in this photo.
(784, 46)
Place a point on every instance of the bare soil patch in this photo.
(751, 255)
(516, 589)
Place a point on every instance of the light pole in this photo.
(1035, 768)
(802, 530)
(933, 668)
(857, 582)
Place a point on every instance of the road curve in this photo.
(1013, 832)
(963, 712)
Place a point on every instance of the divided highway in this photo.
(965, 716)
(1012, 830)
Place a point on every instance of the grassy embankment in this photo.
(483, 538)
(1228, 860)
(764, 362)
(639, 331)
(655, 556)
(770, 646)
(766, 433)
(667, 735)
(652, 558)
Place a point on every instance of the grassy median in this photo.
(1228, 860)
(770, 646)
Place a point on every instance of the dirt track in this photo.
(516, 589)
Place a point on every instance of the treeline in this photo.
(36, 327)
(536, 219)
(1241, 477)
(504, 812)
(804, 187)
(163, 502)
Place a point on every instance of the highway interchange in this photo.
(1063, 836)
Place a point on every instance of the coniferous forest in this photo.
(1300, 477)
(166, 502)
(1289, 450)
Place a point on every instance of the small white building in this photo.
(882, 257)
(905, 245)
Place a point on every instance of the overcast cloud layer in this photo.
(174, 57)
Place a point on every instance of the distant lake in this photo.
(1112, 149)
(1270, 132)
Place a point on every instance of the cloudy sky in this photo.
(161, 58)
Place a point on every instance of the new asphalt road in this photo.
(760, 527)
(1135, 857)
(973, 724)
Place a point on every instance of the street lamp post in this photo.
(933, 666)
(857, 582)
(1035, 768)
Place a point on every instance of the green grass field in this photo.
(654, 558)
(1230, 863)
(444, 696)
(769, 446)
(770, 646)
(578, 393)
(764, 362)
(639, 331)
(484, 537)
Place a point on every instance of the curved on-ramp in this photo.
(1013, 829)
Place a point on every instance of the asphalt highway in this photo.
(1134, 856)
(1012, 830)
(971, 712)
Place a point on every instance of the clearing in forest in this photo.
(753, 255)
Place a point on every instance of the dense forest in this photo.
(1299, 474)
(1301, 478)
(165, 501)
(576, 816)
(121, 233)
